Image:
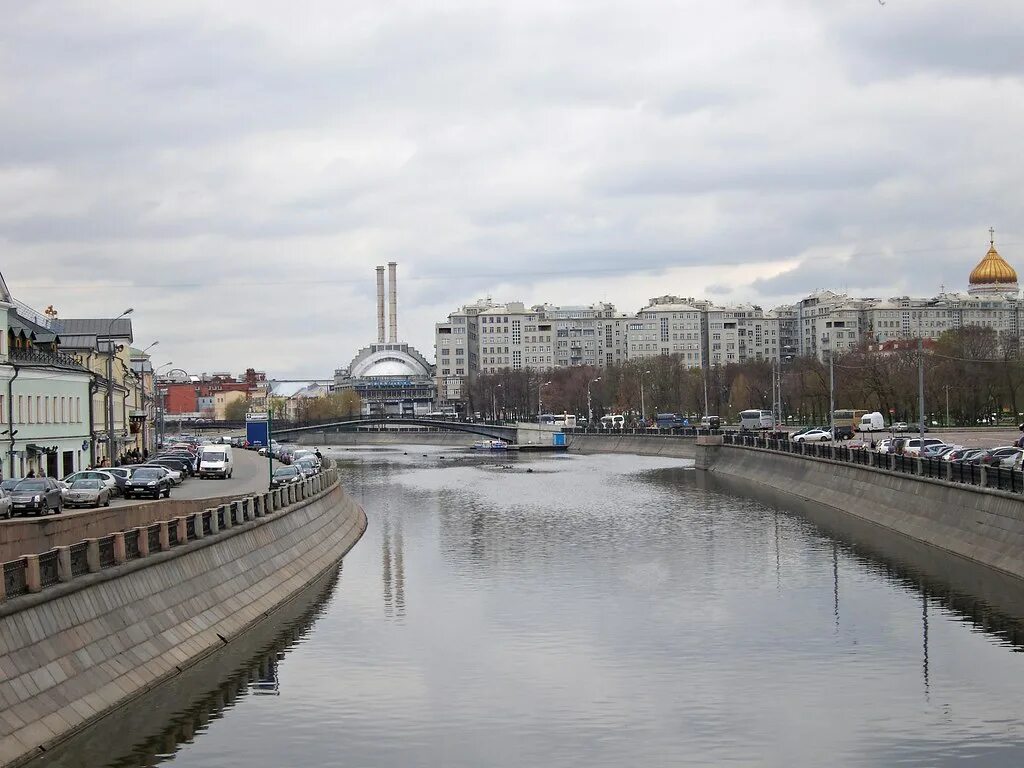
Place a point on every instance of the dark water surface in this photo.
(610, 611)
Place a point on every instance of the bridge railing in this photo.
(1002, 478)
(35, 572)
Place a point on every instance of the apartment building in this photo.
(667, 326)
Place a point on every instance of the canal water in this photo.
(604, 611)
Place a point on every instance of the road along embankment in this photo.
(981, 524)
(72, 651)
(641, 445)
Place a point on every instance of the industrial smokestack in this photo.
(392, 303)
(380, 305)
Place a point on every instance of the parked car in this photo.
(6, 505)
(173, 463)
(884, 445)
(88, 493)
(148, 481)
(994, 457)
(40, 495)
(9, 483)
(937, 451)
(93, 474)
(284, 476)
(121, 476)
(913, 445)
(814, 435)
(307, 467)
(710, 422)
(176, 475)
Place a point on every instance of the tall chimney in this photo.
(380, 305)
(392, 303)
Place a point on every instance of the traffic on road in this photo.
(176, 469)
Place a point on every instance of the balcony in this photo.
(50, 359)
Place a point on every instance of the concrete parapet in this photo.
(214, 524)
(120, 555)
(63, 564)
(92, 555)
(181, 523)
(224, 514)
(33, 581)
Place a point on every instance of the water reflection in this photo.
(177, 713)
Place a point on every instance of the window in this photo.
(20, 399)
(3, 414)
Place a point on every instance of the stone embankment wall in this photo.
(77, 650)
(29, 535)
(982, 524)
(396, 437)
(675, 446)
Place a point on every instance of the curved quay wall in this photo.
(74, 651)
(985, 525)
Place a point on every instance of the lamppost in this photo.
(146, 428)
(539, 409)
(590, 408)
(161, 405)
(494, 402)
(643, 408)
(110, 384)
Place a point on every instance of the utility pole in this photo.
(704, 376)
(832, 393)
(920, 387)
(643, 409)
(947, 404)
(590, 407)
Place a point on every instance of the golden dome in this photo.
(993, 270)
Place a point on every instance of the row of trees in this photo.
(969, 374)
(337, 405)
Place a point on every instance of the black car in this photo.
(148, 481)
(39, 495)
(187, 461)
(178, 465)
(284, 476)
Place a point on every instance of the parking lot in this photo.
(251, 474)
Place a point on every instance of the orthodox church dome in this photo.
(993, 273)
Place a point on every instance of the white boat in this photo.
(490, 445)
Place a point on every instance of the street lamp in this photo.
(494, 403)
(161, 404)
(539, 409)
(150, 347)
(590, 408)
(110, 384)
(643, 409)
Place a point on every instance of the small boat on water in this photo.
(490, 445)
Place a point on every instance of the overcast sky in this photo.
(235, 170)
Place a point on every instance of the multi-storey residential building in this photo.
(739, 333)
(44, 397)
(103, 346)
(456, 350)
(667, 326)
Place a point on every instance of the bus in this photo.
(846, 421)
(756, 419)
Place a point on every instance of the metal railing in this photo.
(996, 477)
(32, 573)
(39, 357)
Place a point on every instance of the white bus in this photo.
(565, 420)
(756, 419)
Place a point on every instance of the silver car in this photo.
(6, 505)
(88, 493)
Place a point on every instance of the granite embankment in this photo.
(675, 446)
(391, 437)
(77, 650)
(985, 525)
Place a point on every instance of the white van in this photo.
(216, 461)
(613, 421)
(871, 422)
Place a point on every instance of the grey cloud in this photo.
(207, 156)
